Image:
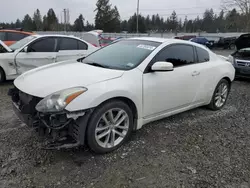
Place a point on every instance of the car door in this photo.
(206, 71)
(164, 92)
(40, 52)
(71, 48)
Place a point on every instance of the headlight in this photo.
(56, 102)
(230, 59)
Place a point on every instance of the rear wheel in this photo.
(2, 75)
(220, 95)
(109, 127)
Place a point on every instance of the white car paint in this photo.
(15, 63)
(156, 95)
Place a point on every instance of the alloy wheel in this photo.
(112, 128)
(221, 95)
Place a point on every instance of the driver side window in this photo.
(43, 45)
(178, 55)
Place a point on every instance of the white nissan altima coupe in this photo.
(100, 99)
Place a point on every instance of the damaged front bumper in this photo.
(242, 68)
(59, 130)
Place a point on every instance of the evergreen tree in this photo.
(37, 19)
(173, 21)
(103, 15)
(79, 23)
(18, 24)
(27, 23)
(45, 23)
(52, 21)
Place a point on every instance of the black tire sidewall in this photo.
(231, 46)
(212, 103)
(2, 77)
(96, 115)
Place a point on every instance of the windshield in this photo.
(122, 55)
(21, 43)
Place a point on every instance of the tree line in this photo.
(108, 19)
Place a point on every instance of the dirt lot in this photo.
(199, 148)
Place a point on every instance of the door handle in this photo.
(195, 73)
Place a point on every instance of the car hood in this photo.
(243, 41)
(2, 45)
(46, 80)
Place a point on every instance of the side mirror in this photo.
(25, 49)
(162, 66)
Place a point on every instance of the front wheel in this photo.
(220, 95)
(109, 127)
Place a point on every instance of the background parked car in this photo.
(241, 57)
(38, 50)
(225, 43)
(12, 35)
(204, 41)
(96, 39)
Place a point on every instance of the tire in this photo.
(231, 47)
(99, 126)
(218, 95)
(2, 75)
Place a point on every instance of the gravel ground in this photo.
(199, 148)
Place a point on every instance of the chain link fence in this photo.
(129, 35)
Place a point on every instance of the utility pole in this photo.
(137, 21)
(65, 19)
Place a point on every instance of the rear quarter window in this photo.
(202, 55)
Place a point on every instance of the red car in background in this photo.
(10, 36)
(96, 39)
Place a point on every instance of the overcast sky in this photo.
(10, 10)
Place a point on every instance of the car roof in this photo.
(152, 39)
(163, 40)
(168, 41)
(55, 35)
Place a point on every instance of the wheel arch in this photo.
(126, 100)
(131, 104)
(84, 120)
(229, 81)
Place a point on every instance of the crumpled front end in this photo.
(241, 62)
(59, 130)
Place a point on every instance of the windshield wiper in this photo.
(98, 65)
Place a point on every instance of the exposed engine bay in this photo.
(242, 54)
(59, 130)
